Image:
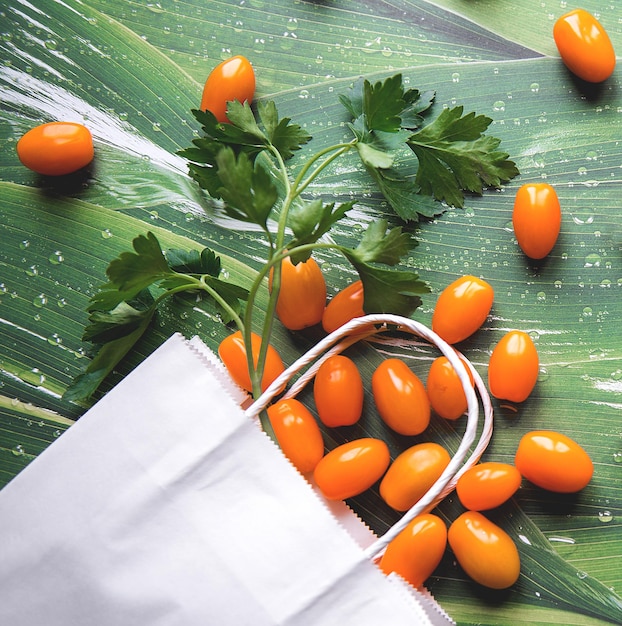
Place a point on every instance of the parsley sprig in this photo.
(244, 164)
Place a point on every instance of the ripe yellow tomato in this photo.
(513, 367)
(343, 307)
(484, 550)
(233, 354)
(487, 485)
(302, 296)
(338, 391)
(462, 308)
(297, 433)
(445, 390)
(400, 397)
(553, 461)
(584, 46)
(412, 474)
(416, 552)
(536, 219)
(233, 79)
(351, 468)
(56, 148)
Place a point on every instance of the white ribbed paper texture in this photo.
(164, 505)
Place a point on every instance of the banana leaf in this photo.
(132, 72)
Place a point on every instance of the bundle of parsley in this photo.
(244, 164)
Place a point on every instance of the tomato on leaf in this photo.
(400, 397)
(297, 433)
(584, 46)
(513, 367)
(351, 468)
(461, 308)
(416, 552)
(343, 307)
(553, 461)
(484, 550)
(487, 485)
(302, 294)
(445, 389)
(536, 219)
(232, 353)
(338, 391)
(233, 79)
(56, 148)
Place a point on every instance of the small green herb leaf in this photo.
(310, 220)
(381, 246)
(247, 189)
(194, 262)
(282, 134)
(455, 156)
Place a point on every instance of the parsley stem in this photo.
(337, 149)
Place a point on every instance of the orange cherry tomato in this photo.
(297, 432)
(412, 474)
(445, 390)
(416, 552)
(487, 485)
(513, 367)
(351, 468)
(302, 296)
(233, 79)
(584, 46)
(56, 148)
(462, 308)
(400, 397)
(233, 354)
(553, 461)
(343, 307)
(338, 391)
(536, 219)
(485, 551)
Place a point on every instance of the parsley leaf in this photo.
(122, 310)
(455, 156)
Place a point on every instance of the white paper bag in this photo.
(165, 506)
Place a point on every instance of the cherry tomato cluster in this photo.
(547, 459)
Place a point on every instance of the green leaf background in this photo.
(132, 71)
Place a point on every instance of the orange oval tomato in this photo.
(232, 353)
(416, 552)
(553, 461)
(400, 397)
(297, 433)
(351, 468)
(343, 307)
(536, 219)
(302, 295)
(462, 308)
(338, 391)
(233, 79)
(584, 46)
(445, 390)
(513, 367)
(412, 474)
(484, 550)
(487, 485)
(56, 148)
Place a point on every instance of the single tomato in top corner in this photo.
(584, 46)
(233, 79)
(461, 308)
(536, 219)
(56, 148)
